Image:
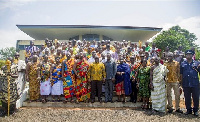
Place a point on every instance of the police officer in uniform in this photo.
(189, 74)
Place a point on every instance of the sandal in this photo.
(142, 106)
(118, 100)
(71, 101)
(53, 100)
(65, 101)
(43, 101)
(30, 101)
(146, 106)
(77, 101)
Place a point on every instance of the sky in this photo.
(143, 13)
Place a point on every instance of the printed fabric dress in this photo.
(69, 78)
(144, 80)
(34, 85)
(158, 95)
(134, 68)
(82, 91)
(45, 85)
(57, 87)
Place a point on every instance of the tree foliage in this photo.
(175, 37)
(7, 52)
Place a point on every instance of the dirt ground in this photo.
(94, 115)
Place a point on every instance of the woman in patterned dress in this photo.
(143, 83)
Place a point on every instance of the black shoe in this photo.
(188, 112)
(112, 101)
(92, 101)
(100, 101)
(170, 110)
(196, 114)
(105, 101)
(179, 111)
(134, 101)
(2, 113)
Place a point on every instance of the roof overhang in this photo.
(64, 32)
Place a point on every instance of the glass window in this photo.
(91, 37)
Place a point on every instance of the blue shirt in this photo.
(189, 73)
(111, 69)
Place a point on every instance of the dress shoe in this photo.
(112, 101)
(196, 114)
(100, 101)
(92, 101)
(179, 111)
(188, 112)
(170, 110)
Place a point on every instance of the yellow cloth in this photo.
(96, 71)
(62, 59)
(174, 71)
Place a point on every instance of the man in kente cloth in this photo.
(81, 86)
(32, 73)
(68, 77)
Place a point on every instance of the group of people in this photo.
(81, 70)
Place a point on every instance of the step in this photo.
(82, 105)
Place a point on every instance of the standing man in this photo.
(30, 51)
(32, 73)
(173, 77)
(96, 75)
(21, 67)
(157, 85)
(56, 79)
(45, 85)
(134, 66)
(189, 79)
(111, 69)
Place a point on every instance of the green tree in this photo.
(7, 52)
(174, 37)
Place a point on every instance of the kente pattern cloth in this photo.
(82, 91)
(144, 80)
(124, 77)
(88, 55)
(62, 59)
(34, 88)
(57, 88)
(45, 85)
(158, 95)
(51, 59)
(69, 78)
(134, 68)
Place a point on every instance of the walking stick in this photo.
(8, 64)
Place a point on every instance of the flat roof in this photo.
(64, 32)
